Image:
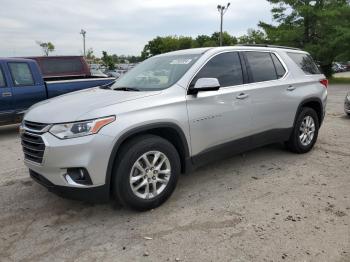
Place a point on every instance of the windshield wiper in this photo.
(126, 89)
(107, 86)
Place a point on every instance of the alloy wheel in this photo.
(150, 174)
(307, 130)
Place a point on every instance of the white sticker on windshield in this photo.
(181, 61)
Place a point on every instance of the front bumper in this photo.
(90, 153)
(99, 194)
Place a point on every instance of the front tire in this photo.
(146, 172)
(305, 131)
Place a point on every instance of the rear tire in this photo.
(146, 172)
(305, 132)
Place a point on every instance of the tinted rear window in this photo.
(305, 62)
(2, 79)
(54, 66)
(261, 66)
(226, 67)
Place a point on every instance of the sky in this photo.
(116, 26)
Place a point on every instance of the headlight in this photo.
(348, 97)
(82, 128)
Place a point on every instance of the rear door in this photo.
(219, 117)
(6, 106)
(28, 87)
(271, 93)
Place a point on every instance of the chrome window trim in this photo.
(243, 50)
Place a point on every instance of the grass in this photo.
(339, 80)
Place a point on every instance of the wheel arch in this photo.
(169, 131)
(314, 103)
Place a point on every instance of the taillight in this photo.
(324, 82)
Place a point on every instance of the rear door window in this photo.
(2, 79)
(226, 67)
(305, 63)
(21, 74)
(261, 66)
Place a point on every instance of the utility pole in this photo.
(83, 33)
(222, 10)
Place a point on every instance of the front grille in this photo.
(35, 126)
(33, 147)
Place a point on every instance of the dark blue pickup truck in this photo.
(22, 85)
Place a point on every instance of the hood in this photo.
(71, 106)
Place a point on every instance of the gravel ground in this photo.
(265, 205)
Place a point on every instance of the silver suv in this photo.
(171, 113)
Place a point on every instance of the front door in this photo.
(27, 90)
(6, 106)
(219, 117)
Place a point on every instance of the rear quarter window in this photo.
(305, 63)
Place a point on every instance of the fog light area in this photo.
(78, 177)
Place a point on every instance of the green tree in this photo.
(253, 37)
(165, 44)
(46, 47)
(227, 39)
(107, 60)
(90, 54)
(203, 40)
(321, 27)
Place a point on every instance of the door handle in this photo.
(242, 96)
(6, 94)
(290, 88)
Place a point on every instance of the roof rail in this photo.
(272, 46)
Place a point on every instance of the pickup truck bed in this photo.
(22, 85)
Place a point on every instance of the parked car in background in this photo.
(22, 85)
(98, 73)
(338, 68)
(95, 66)
(347, 104)
(169, 114)
(112, 73)
(347, 65)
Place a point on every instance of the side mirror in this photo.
(205, 84)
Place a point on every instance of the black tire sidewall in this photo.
(130, 154)
(296, 144)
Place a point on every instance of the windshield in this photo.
(157, 73)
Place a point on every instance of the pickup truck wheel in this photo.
(305, 131)
(147, 170)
